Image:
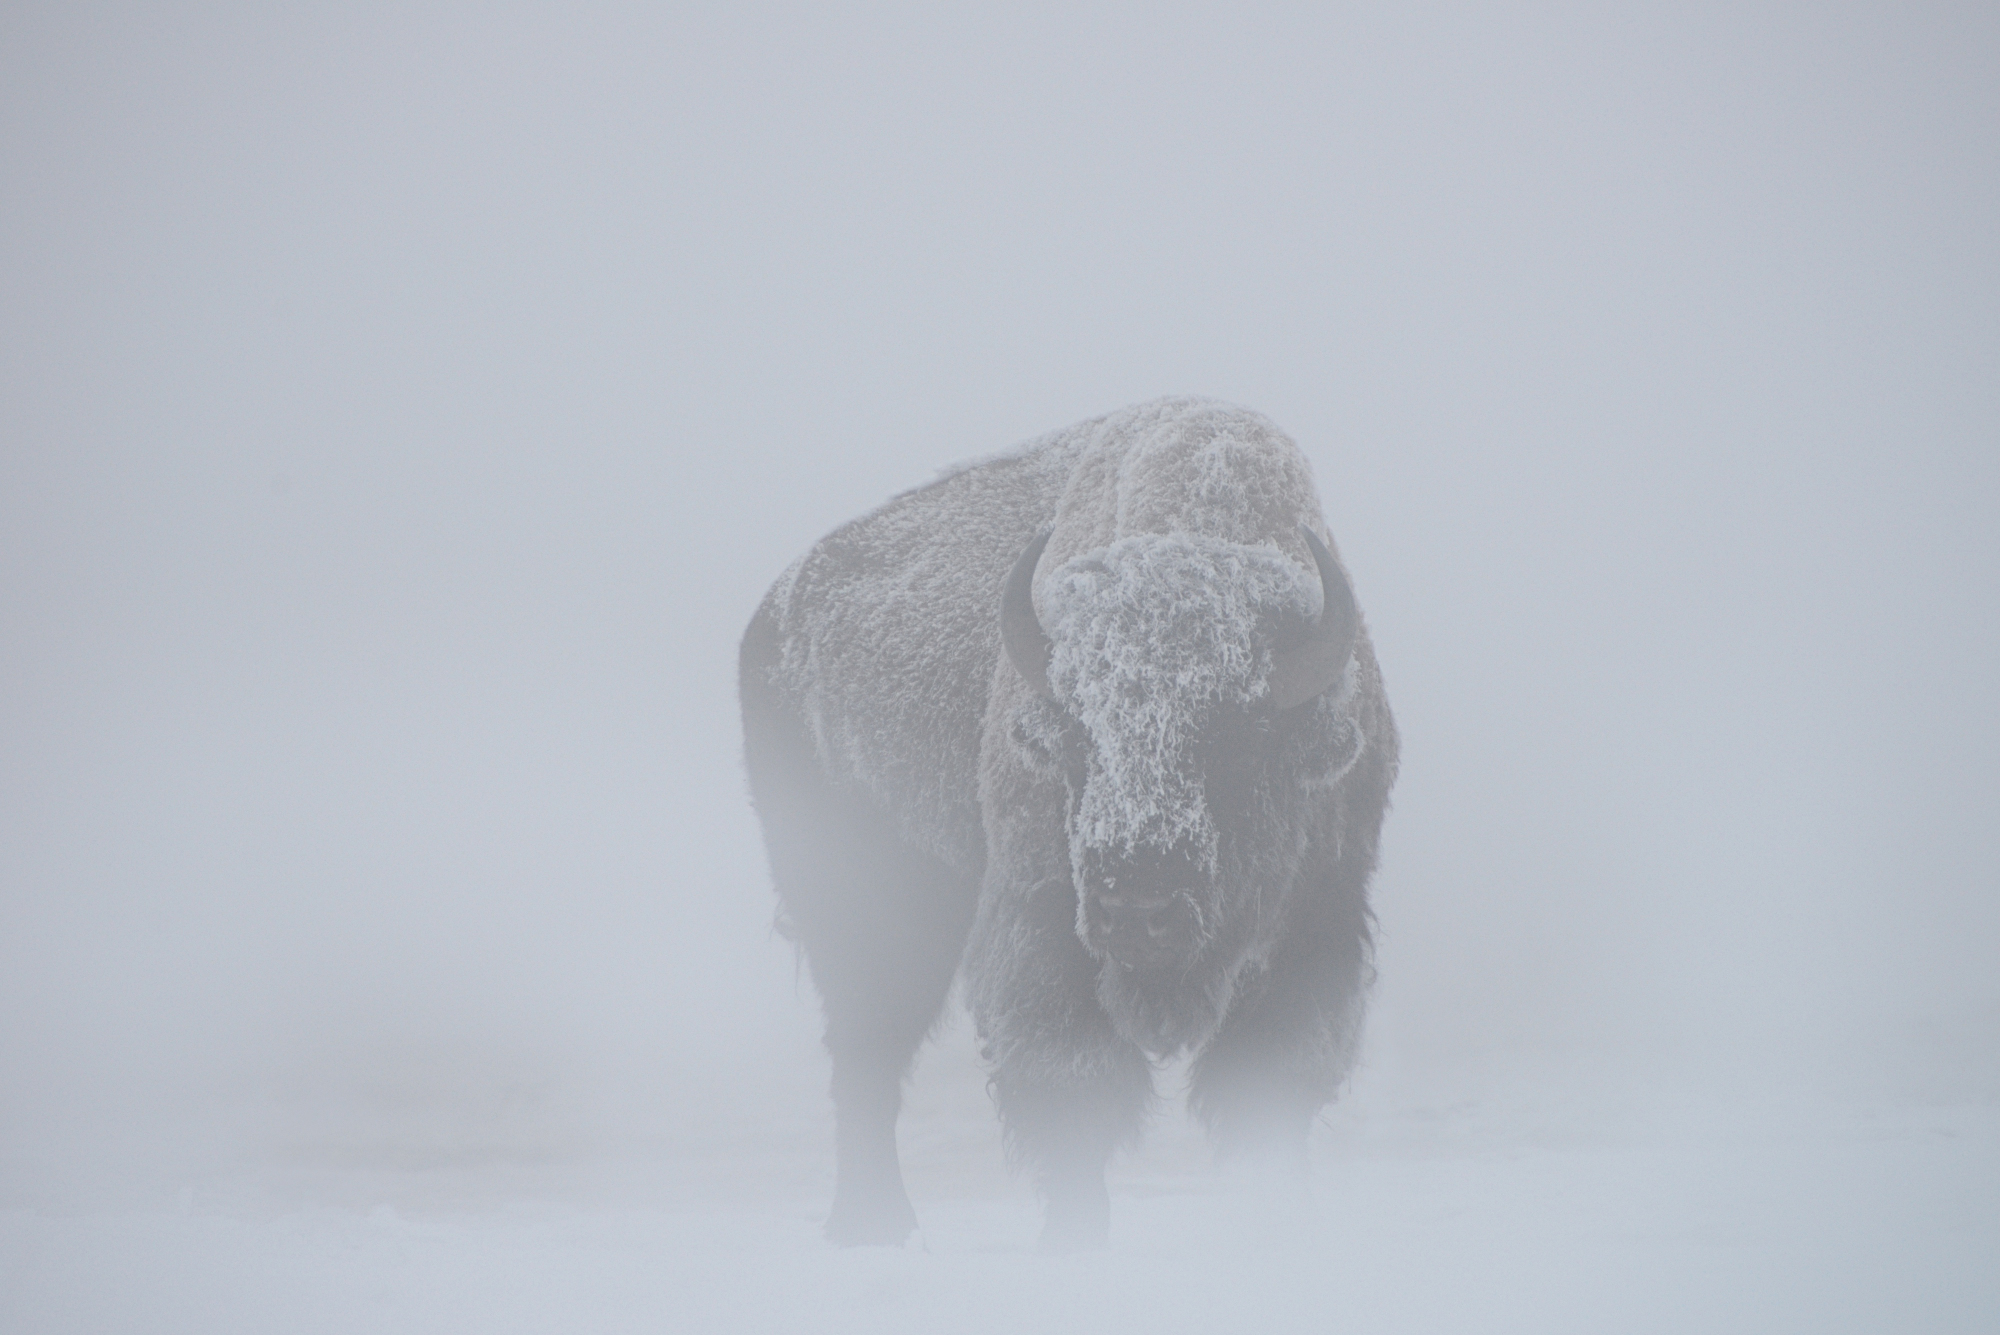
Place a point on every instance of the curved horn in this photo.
(1028, 646)
(1305, 670)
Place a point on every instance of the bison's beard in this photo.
(1172, 1005)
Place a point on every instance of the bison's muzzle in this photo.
(1143, 909)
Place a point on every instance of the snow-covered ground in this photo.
(1519, 1215)
(403, 408)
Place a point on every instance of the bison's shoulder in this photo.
(888, 630)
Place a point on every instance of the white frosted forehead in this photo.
(1182, 609)
(1175, 592)
(1149, 633)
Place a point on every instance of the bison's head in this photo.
(1188, 702)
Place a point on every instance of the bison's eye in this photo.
(1049, 738)
(1242, 731)
(1236, 751)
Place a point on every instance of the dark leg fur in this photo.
(1064, 1132)
(882, 926)
(1287, 1042)
(1069, 1090)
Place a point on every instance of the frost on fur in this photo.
(1151, 634)
(1129, 855)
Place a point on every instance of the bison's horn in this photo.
(1028, 646)
(1305, 670)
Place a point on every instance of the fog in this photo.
(404, 409)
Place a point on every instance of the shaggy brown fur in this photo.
(1140, 858)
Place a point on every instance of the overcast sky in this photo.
(404, 407)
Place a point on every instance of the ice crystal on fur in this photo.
(926, 803)
(1151, 634)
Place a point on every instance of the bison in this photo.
(1097, 722)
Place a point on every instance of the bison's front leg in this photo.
(1068, 1088)
(1288, 1039)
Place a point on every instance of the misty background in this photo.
(404, 409)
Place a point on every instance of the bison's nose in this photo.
(1138, 927)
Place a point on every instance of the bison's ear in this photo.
(1027, 644)
(1305, 670)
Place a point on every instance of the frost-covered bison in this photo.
(1099, 720)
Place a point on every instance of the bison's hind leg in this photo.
(882, 926)
(874, 1027)
(883, 941)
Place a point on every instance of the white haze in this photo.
(403, 409)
